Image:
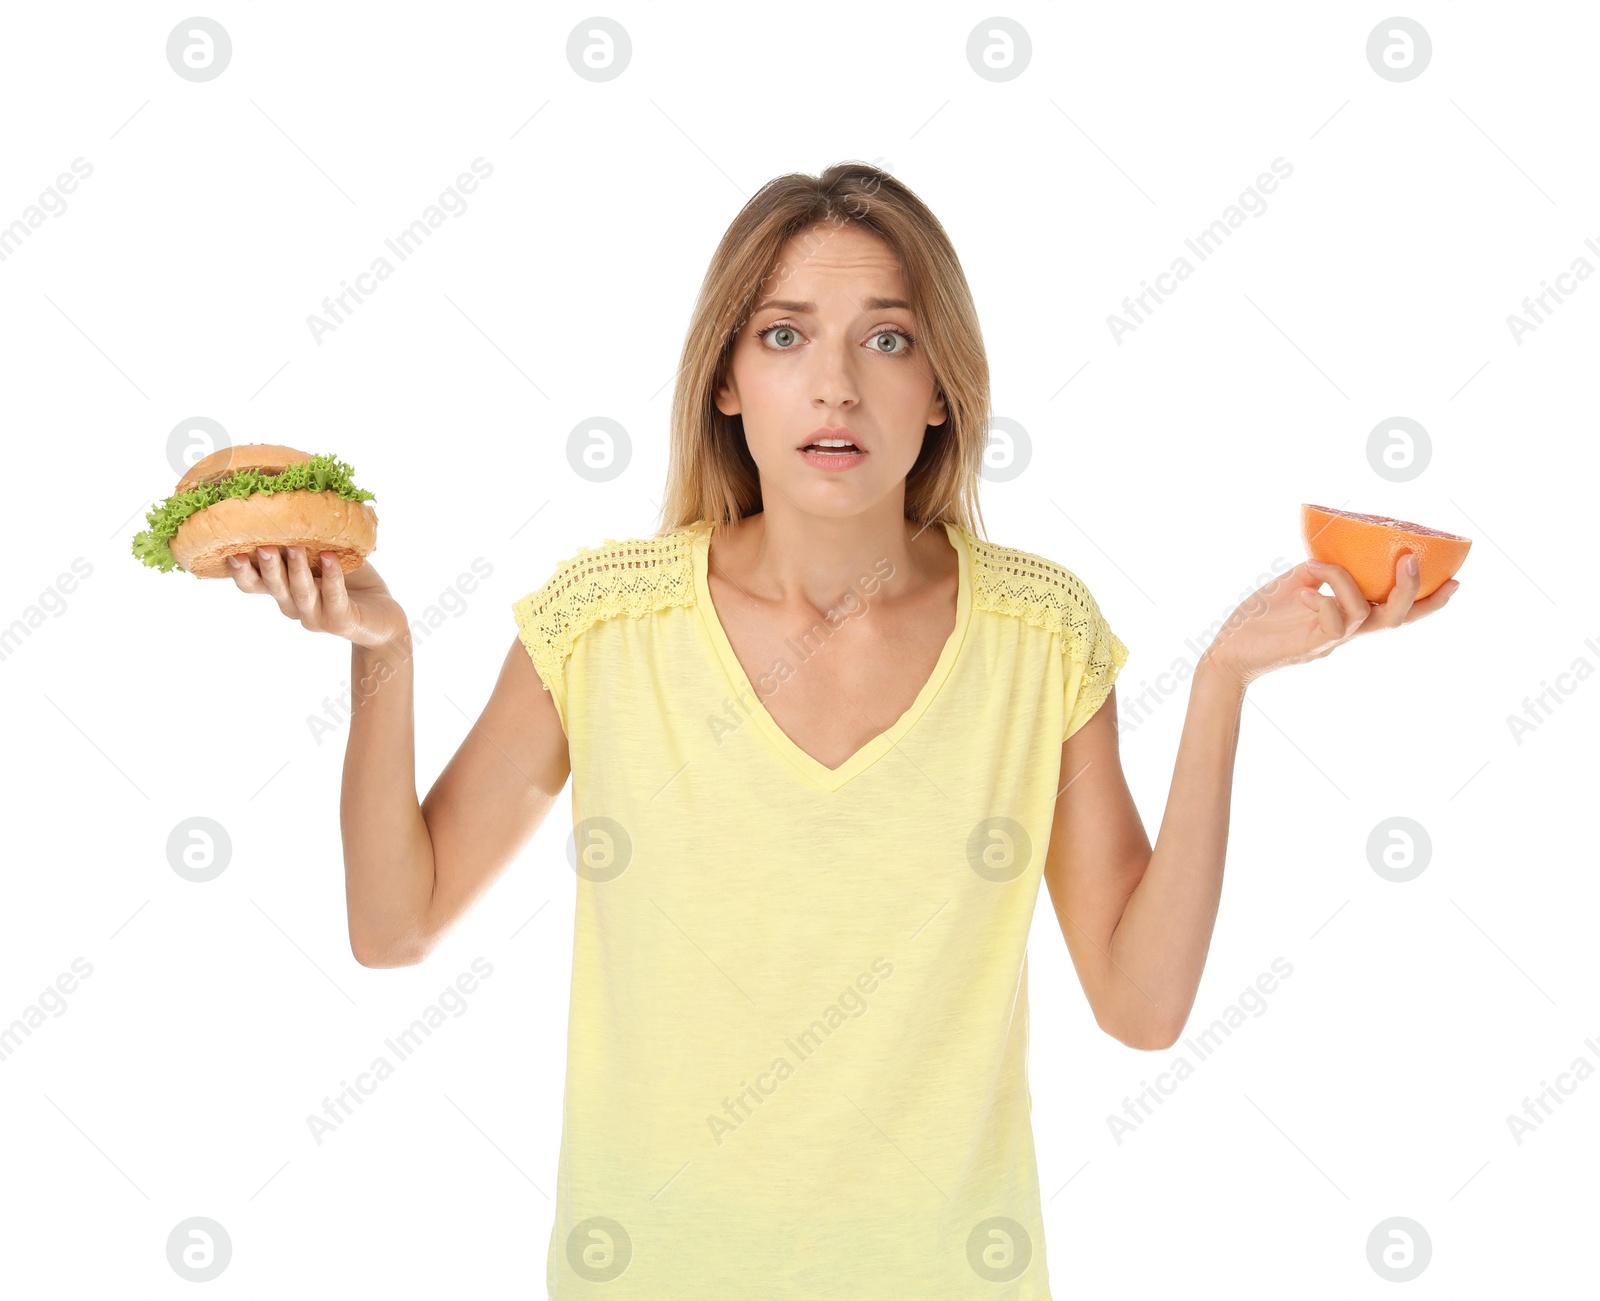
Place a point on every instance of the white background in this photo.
(1168, 474)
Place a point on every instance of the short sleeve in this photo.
(631, 576)
(1094, 657)
(547, 622)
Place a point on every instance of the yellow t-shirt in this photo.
(798, 1037)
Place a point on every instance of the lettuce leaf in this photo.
(319, 474)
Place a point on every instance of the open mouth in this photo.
(833, 446)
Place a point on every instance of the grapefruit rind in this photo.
(1369, 547)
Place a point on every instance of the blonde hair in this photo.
(711, 475)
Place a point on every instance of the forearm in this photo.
(1162, 940)
(388, 854)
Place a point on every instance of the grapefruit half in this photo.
(1370, 546)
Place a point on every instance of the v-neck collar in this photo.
(832, 779)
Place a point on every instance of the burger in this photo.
(259, 495)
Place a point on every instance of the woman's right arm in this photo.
(412, 869)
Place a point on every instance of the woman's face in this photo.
(831, 352)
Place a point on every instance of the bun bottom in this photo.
(317, 521)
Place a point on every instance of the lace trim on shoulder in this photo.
(1050, 596)
(634, 576)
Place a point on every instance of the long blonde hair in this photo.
(711, 475)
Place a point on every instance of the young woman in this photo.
(825, 741)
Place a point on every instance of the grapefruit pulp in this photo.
(1370, 546)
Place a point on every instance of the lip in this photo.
(834, 461)
(831, 431)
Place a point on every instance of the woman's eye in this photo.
(784, 337)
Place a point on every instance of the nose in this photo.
(834, 381)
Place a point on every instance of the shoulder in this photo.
(628, 576)
(1042, 592)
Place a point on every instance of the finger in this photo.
(1353, 607)
(245, 576)
(1407, 579)
(272, 577)
(1330, 618)
(1429, 604)
(335, 597)
(1393, 611)
(303, 588)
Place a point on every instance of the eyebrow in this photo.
(793, 305)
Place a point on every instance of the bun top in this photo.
(268, 457)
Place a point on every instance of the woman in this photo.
(824, 741)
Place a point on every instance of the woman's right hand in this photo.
(356, 606)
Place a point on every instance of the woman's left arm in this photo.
(1137, 921)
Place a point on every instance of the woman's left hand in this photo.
(1289, 621)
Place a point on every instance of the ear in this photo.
(939, 409)
(726, 396)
